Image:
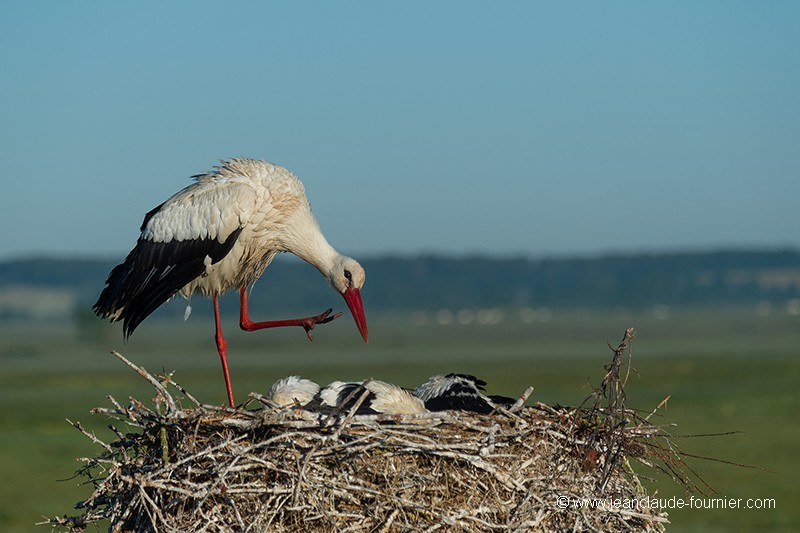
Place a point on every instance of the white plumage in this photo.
(462, 392)
(391, 399)
(292, 390)
(266, 203)
(384, 398)
(221, 233)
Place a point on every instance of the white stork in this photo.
(462, 392)
(292, 390)
(221, 233)
(383, 398)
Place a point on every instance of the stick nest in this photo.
(267, 468)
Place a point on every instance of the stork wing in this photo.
(196, 227)
(461, 396)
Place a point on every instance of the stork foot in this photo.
(323, 318)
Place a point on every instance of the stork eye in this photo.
(348, 275)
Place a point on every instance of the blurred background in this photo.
(522, 182)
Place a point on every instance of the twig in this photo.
(153, 381)
(92, 437)
(351, 414)
(520, 403)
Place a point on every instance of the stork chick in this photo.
(462, 392)
(383, 398)
(292, 390)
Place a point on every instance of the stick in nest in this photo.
(278, 469)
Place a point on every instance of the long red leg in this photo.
(222, 348)
(306, 323)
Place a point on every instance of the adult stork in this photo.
(221, 233)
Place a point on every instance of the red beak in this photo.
(353, 299)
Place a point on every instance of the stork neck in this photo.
(304, 238)
(314, 249)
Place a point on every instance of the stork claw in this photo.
(323, 318)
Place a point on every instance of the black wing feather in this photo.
(342, 406)
(150, 214)
(461, 396)
(153, 273)
(503, 401)
(479, 383)
(354, 391)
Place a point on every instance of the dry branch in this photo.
(268, 468)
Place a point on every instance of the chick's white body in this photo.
(292, 390)
(384, 398)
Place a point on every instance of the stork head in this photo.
(347, 277)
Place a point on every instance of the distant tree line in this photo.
(431, 282)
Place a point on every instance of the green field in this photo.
(725, 372)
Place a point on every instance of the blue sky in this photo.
(533, 128)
